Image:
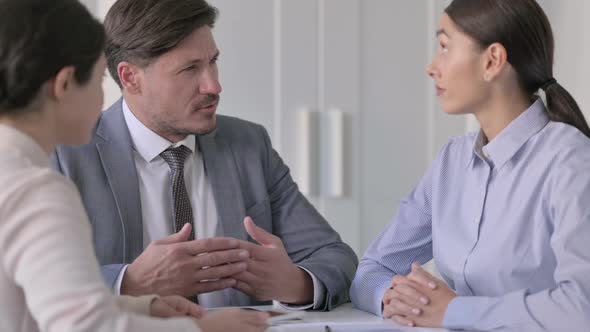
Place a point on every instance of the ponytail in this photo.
(561, 107)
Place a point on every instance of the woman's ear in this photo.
(62, 83)
(495, 59)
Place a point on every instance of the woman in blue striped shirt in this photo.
(504, 212)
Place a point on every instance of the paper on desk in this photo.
(339, 327)
(359, 327)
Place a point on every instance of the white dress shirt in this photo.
(49, 275)
(156, 203)
(154, 190)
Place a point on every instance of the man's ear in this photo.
(130, 77)
(62, 82)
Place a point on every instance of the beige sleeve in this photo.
(137, 304)
(46, 246)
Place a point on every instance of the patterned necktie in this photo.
(183, 212)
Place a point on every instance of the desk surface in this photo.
(344, 319)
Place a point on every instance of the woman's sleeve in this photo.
(46, 246)
(406, 239)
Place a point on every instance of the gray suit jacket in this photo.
(247, 177)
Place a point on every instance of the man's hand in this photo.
(271, 275)
(174, 306)
(419, 299)
(175, 266)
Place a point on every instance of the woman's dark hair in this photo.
(523, 29)
(139, 31)
(38, 38)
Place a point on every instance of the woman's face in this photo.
(82, 108)
(458, 70)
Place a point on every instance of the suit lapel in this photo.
(221, 169)
(116, 154)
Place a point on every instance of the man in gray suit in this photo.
(165, 177)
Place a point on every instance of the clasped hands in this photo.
(418, 299)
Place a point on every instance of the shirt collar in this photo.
(147, 143)
(25, 145)
(504, 146)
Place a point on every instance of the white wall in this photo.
(572, 47)
(91, 4)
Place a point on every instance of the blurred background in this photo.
(340, 85)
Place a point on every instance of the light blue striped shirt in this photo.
(508, 225)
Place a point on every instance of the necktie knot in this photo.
(175, 157)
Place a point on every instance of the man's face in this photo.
(179, 91)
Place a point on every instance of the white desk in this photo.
(345, 319)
